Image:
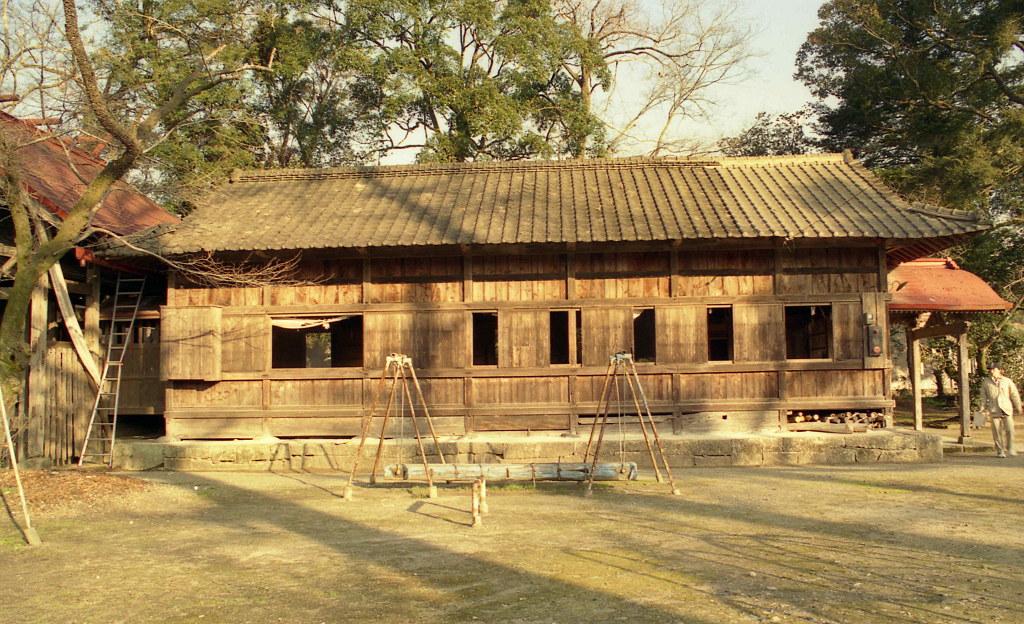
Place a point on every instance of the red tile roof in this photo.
(47, 171)
(939, 284)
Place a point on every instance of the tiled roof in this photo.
(628, 199)
(939, 284)
(45, 168)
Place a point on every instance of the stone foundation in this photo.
(884, 446)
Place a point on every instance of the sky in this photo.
(784, 27)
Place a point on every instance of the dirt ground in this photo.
(883, 543)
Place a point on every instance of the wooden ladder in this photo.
(102, 428)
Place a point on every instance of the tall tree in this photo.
(930, 91)
(931, 94)
(670, 53)
(772, 135)
(458, 80)
(167, 64)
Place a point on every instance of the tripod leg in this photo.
(384, 428)
(426, 413)
(657, 438)
(600, 402)
(597, 449)
(362, 440)
(432, 490)
(643, 427)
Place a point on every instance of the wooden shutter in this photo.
(606, 331)
(245, 343)
(682, 334)
(848, 331)
(431, 339)
(190, 343)
(759, 333)
(524, 338)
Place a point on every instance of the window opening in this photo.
(485, 339)
(720, 334)
(559, 327)
(808, 332)
(644, 336)
(145, 331)
(317, 343)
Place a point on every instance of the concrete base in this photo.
(883, 446)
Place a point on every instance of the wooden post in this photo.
(570, 277)
(777, 267)
(475, 505)
(92, 313)
(964, 363)
(467, 277)
(366, 280)
(37, 382)
(914, 363)
(673, 269)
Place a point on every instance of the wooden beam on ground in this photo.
(515, 472)
(60, 289)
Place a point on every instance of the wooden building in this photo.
(748, 291)
(64, 332)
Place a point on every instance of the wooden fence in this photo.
(68, 400)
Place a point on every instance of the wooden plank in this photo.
(367, 287)
(521, 423)
(60, 289)
(570, 280)
(357, 308)
(947, 329)
(92, 312)
(562, 471)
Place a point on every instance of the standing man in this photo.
(1000, 399)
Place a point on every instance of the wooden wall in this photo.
(217, 342)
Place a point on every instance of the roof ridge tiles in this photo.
(950, 213)
(331, 173)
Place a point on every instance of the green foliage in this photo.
(929, 91)
(772, 135)
(476, 79)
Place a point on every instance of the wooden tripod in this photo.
(623, 367)
(396, 365)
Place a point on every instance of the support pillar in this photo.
(914, 363)
(964, 364)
